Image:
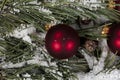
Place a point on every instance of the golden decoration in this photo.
(111, 4)
(105, 30)
(48, 26)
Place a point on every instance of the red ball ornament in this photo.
(117, 7)
(114, 38)
(62, 41)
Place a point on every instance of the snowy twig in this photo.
(100, 65)
(91, 60)
(24, 63)
(11, 65)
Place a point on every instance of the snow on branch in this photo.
(100, 65)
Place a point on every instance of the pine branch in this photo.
(3, 4)
(25, 12)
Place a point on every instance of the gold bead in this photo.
(48, 26)
(105, 30)
(111, 4)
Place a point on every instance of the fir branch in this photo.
(3, 4)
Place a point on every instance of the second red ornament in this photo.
(114, 38)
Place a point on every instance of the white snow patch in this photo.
(113, 75)
(24, 33)
(27, 38)
(11, 65)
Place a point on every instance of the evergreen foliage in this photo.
(16, 13)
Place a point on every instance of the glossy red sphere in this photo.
(117, 7)
(114, 38)
(62, 41)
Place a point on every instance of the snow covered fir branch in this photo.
(59, 40)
